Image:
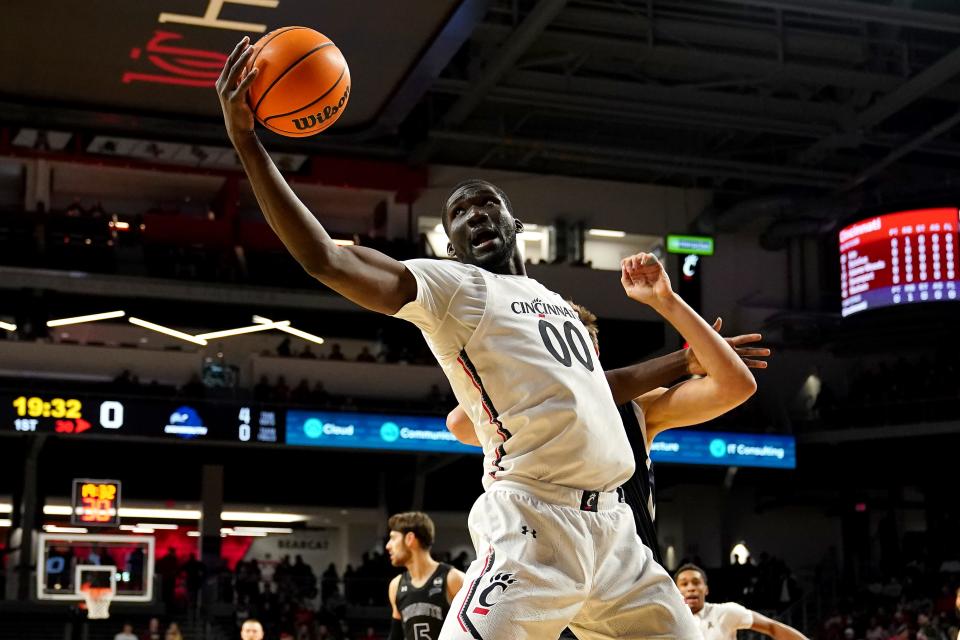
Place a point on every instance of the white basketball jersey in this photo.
(523, 367)
(721, 621)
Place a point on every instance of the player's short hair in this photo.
(690, 567)
(251, 621)
(589, 320)
(468, 182)
(415, 522)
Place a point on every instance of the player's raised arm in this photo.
(778, 630)
(728, 381)
(369, 278)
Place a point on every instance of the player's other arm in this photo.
(460, 425)
(392, 596)
(632, 382)
(629, 383)
(766, 626)
(367, 277)
(728, 381)
(396, 622)
(455, 579)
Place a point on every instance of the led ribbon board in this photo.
(684, 446)
(372, 431)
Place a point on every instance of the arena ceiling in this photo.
(742, 96)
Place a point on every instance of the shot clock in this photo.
(96, 502)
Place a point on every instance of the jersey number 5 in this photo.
(565, 347)
(421, 631)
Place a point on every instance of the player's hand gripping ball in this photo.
(302, 83)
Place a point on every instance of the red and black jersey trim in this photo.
(465, 623)
(492, 414)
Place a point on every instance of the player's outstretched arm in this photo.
(766, 626)
(367, 277)
(641, 378)
(728, 381)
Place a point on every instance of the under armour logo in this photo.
(525, 530)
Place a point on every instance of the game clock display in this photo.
(143, 417)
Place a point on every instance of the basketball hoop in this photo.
(97, 601)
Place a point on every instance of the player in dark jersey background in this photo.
(420, 597)
(647, 381)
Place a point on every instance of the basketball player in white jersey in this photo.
(721, 621)
(555, 545)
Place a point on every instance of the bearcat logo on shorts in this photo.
(540, 308)
(309, 122)
(494, 591)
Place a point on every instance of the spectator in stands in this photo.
(167, 568)
(262, 391)
(329, 583)
(319, 394)
(308, 353)
(194, 387)
(335, 352)
(153, 630)
(126, 634)
(301, 393)
(365, 355)
(283, 349)
(281, 392)
(251, 629)
(194, 571)
(173, 632)
(75, 210)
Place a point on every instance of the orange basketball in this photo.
(303, 84)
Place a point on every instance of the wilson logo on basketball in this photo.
(330, 111)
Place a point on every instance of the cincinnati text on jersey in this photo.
(541, 308)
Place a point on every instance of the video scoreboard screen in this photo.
(900, 258)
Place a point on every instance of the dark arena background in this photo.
(199, 432)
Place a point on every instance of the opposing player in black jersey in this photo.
(648, 380)
(421, 595)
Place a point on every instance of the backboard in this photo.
(66, 561)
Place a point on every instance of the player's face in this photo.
(251, 631)
(957, 603)
(397, 549)
(480, 228)
(693, 588)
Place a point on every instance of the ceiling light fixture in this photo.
(166, 330)
(607, 233)
(93, 317)
(241, 330)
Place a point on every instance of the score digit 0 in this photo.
(111, 414)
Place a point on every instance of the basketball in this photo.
(303, 83)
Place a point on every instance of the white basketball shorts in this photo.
(549, 557)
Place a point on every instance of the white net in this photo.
(98, 602)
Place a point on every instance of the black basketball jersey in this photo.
(639, 490)
(423, 610)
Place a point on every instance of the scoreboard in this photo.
(900, 258)
(145, 417)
